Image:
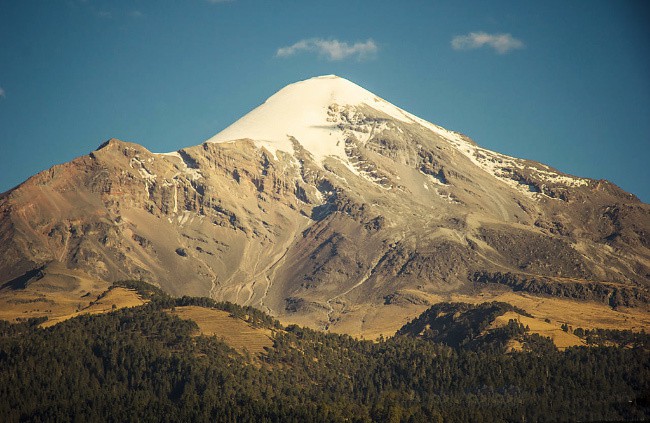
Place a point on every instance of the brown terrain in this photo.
(359, 245)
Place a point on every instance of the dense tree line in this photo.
(144, 364)
(622, 338)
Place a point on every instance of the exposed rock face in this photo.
(317, 231)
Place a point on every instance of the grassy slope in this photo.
(64, 293)
(235, 332)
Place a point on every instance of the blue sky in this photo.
(566, 83)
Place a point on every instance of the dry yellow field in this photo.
(560, 338)
(235, 332)
(61, 294)
(371, 322)
(584, 314)
(116, 298)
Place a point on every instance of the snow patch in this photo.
(175, 198)
(146, 174)
(502, 167)
(142, 170)
(184, 217)
(446, 196)
(191, 172)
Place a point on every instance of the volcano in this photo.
(328, 206)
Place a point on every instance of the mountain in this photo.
(331, 207)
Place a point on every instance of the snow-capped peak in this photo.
(300, 110)
(321, 114)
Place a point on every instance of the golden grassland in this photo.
(235, 332)
(560, 338)
(61, 292)
(584, 314)
(58, 306)
(549, 314)
(64, 293)
(114, 299)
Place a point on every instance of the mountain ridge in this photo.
(393, 207)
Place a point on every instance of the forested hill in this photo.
(146, 364)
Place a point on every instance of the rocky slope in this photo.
(329, 206)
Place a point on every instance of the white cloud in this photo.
(501, 43)
(136, 14)
(219, 1)
(331, 49)
(2, 92)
